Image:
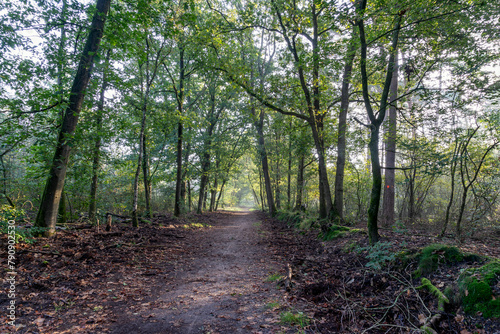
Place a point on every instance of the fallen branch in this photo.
(442, 299)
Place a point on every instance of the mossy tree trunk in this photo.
(376, 119)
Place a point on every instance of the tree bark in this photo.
(180, 105)
(278, 174)
(376, 186)
(146, 176)
(97, 144)
(376, 119)
(213, 193)
(135, 220)
(205, 158)
(289, 172)
(338, 203)
(453, 168)
(300, 183)
(47, 213)
(259, 126)
(390, 152)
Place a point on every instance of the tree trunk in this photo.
(300, 183)
(461, 212)
(376, 186)
(411, 195)
(220, 194)
(261, 191)
(47, 213)
(213, 193)
(390, 152)
(338, 202)
(259, 126)
(135, 220)
(376, 119)
(205, 165)
(190, 204)
(97, 144)
(325, 203)
(289, 172)
(146, 177)
(452, 185)
(278, 174)
(180, 104)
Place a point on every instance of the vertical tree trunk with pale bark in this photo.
(390, 151)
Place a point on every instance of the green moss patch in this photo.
(337, 231)
(432, 256)
(476, 288)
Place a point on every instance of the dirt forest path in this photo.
(222, 288)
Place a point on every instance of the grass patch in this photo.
(274, 278)
(294, 319)
(272, 305)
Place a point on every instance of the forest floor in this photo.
(225, 272)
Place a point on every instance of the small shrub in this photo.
(399, 227)
(23, 234)
(379, 255)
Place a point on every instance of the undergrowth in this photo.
(23, 234)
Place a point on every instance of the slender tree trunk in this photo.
(213, 193)
(461, 212)
(338, 202)
(259, 125)
(261, 191)
(376, 119)
(190, 204)
(47, 213)
(60, 61)
(220, 194)
(452, 185)
(180, 101)
(97, 144)
(278, 174)
(146, 177)
(289, 172)
(135, 220)
(253, 191)
(205, 165)
(411, 195)
(390, 152)
(300, 183)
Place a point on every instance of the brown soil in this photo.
(212, 274)
(220, 288)
(199, 274)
